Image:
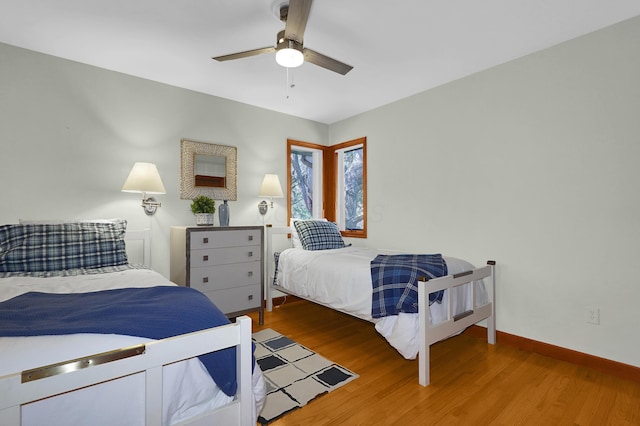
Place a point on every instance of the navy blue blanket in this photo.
(155, 313)
(395, 282)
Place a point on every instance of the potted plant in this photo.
(203, 207)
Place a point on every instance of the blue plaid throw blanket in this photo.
(395, 282)
(155, 313)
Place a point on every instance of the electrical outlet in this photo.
(593, 315)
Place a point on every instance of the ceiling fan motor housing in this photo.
(284, 43)
(289, 53)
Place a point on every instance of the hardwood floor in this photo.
(472, 382)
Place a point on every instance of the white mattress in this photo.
(188, 389)
(341, 279)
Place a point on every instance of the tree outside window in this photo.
(301, 184)
(353, 173)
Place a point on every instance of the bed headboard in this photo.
(139, 247)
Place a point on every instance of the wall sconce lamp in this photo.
(144, 178)
(270, 188)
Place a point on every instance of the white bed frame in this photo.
(27, 386)
(429, 334)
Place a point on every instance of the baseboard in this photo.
(603, 365)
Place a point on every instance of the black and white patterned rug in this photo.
(294, 374)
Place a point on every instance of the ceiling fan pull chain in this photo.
(292, 83)
(286, 84)
(289, 83)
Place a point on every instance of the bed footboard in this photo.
(430, 334)
(24, 387)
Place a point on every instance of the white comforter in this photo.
(341, 279)
(188, 389)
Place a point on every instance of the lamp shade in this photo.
(271, 187)
(144, 177)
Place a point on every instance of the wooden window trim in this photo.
(334, 166)
(329, 179)
(323, 148)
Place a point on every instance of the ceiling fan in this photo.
(290, 51)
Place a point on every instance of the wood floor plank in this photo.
(472, 382)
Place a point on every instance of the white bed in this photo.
(340, 278)
(145, 392)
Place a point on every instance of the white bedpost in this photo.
(268, 260)
(491, 321)
(11, 415)
(153, 397)
(271, 231)
(243, 369)
(423, 321)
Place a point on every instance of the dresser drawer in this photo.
(237, 299)
(217, 239)
(226, 276)
(223, 256)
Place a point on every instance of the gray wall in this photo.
(70, 133)
(533, 163)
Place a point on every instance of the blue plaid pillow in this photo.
(318, 234)
(57, 247)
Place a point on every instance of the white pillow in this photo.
(295, 238)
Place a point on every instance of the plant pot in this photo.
(204, 219)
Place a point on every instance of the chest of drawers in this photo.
(225, 263)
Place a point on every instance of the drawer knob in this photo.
(205, 258)
(205, 240)
(250, 237)
(205, 279)
(250, 273)
(250, 297)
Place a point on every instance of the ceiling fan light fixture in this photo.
(290, 58)
(289, 53)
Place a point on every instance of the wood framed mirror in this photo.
(208, 169)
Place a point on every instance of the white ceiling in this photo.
(398, 48)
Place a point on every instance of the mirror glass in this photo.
(210, 171)
(207, 169)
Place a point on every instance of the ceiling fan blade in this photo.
(297, 17)
(244, 54)
(326, 62)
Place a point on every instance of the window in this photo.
(329, 181)
(305, 181)
(350, 189)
